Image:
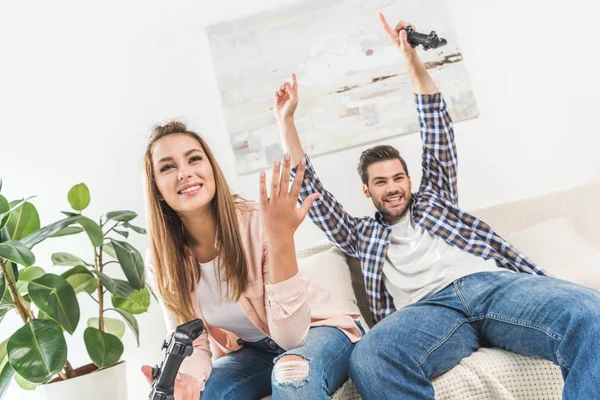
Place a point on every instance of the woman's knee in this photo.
(291, 370)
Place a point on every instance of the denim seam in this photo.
(526, 324)
(519, 322)
(462, 298)
(562, 361)
(441, 341)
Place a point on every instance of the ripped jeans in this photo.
(261, 368)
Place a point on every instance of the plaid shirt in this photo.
(434, 207)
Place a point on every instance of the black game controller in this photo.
(431, 41)
(178, 347)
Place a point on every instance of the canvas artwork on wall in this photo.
(354, 85)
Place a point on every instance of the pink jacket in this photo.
(284, 311)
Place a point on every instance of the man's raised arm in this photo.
(439, 149)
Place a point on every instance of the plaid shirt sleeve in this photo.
(439, 150)
(328, 214)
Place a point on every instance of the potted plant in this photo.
(35, 355)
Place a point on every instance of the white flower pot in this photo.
(106, 384)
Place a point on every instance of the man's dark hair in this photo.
(377, 154)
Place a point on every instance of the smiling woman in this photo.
(182, 177)
(232, 263)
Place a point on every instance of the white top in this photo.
(419, 264)
(220, 312)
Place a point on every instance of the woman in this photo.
(232, 263)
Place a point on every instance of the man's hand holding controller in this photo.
(420, 78)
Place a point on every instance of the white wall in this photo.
(81, 84)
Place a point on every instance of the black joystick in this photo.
(431, 41)
(179, 346)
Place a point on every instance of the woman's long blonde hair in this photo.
(175, 265)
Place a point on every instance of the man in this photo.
(440, 282)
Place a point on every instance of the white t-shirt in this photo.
(419, 264)
(220, 312)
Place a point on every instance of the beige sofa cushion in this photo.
(495, 374)
(329, 269)
(561, 250)
(579, 204)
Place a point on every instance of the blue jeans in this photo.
(249, 373)
(526, 314)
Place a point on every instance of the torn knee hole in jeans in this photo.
(291, 370)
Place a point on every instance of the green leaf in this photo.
(131, 322)
(26, 276)
(3, 350)
(24, 383)
(80, 278)
(4, 236)
(117, 287)
(37, 350)
(6, 374)
(2, 284)
(14, 206)
(137, 229)
(82, 282)
(6, 305)
(3, 312)
(69, 230)
(41, 234)
(31, 273)
(122, 233)
(70, 214)
(67, 259)
(4, 208)
(122, 288)
(132, 263)
(106, 281)
(43, 315)
(104, 349)
(3, 223)
(0, 191)
(110, 250)
(123, 216)
(17, 252)
(93, 230)
(137, 303)
(56, 297)
(79, 197)
(113, 326)
(23, 221)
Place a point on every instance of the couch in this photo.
(559, 231)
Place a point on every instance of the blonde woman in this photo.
(232, 263)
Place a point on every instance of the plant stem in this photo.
(110, 262)
(19, 301)
(69, 370)
(113, 227)
(100, 291)
(93, 298)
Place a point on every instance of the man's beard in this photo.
(395, 214)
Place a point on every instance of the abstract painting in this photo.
(354, 85)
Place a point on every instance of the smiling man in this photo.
(440, 282)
